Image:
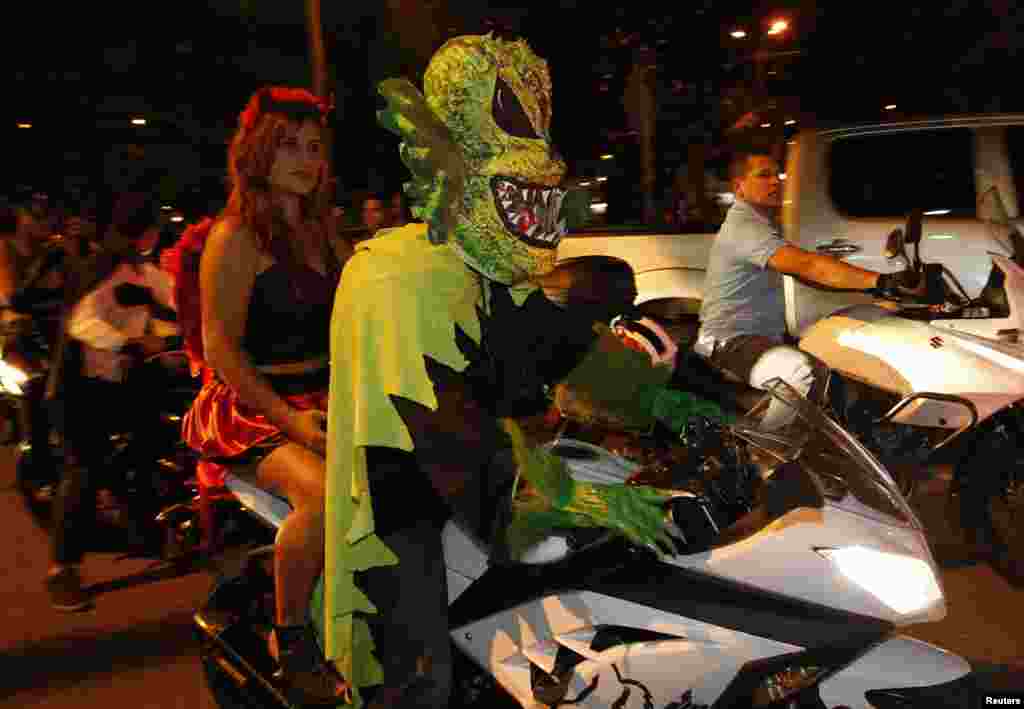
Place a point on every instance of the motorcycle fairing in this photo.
(902, 356)
(884, 666)
(667, 651)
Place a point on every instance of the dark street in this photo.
(136, 649)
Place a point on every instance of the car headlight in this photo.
(11, 379)
(904, 583)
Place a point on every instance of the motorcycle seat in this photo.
(696, 374)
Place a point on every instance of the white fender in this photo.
(898, 662)
(905, 356)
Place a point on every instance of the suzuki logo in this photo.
(936, 342)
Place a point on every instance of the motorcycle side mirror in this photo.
(894, 244)
(913, 232)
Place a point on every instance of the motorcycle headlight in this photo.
(11, 379)
(904, 583)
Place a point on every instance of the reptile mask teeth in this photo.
(530, 212)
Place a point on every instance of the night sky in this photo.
(188, 68)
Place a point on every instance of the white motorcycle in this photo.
(938, 379)
(797, 560)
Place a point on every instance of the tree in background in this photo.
(641, 109)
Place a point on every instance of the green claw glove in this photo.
(675, 408)
(637, 511)
(559, 502)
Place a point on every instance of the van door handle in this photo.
(838, 247)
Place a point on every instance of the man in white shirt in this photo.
(743, 316)
(112, 336)
(107, 330)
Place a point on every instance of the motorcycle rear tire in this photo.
(224, 690)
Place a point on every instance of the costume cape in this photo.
(400, 298)
(436, 308)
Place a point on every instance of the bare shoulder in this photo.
(233, 246)
(231, 231)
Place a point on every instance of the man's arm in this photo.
(161, 285)
(89, 323)
(822, 269)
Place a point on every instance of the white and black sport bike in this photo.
(797, 561)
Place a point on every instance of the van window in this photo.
(888, 175)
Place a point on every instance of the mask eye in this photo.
(509, 113)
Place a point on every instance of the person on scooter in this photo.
(743, 315)
(111, 337)
(255, 288)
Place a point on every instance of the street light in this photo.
(138, 121)
(24, 125)
(890, 107)
(607, 156)
(791, 122)
(778, 27)
(737, 34)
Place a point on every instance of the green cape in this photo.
(400, 297)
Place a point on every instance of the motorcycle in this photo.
(166, 472)
(938, 378)
(24, 363)
(796, 561)
(27, 330)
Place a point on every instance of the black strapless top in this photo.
(284, 325)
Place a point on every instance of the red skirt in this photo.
(219, 425)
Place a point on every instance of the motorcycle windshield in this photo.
(847, 475)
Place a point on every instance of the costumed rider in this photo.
(439, 341)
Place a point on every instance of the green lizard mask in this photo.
(477, 141)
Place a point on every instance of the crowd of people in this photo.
(306, 334)
(270, 263)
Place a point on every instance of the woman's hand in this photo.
(309, 428)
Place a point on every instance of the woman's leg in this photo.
(298, 474)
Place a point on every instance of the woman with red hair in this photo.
(255, 289)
